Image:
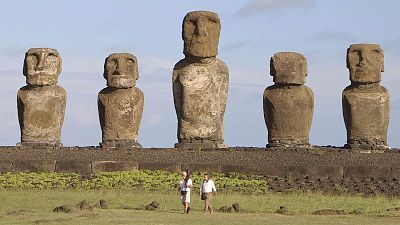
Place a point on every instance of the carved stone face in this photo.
(365, 63)
(42, 66)
(121, 70)
(200, 34)
(288, 68)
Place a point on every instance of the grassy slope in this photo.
(37, 205)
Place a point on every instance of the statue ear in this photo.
(137, 70)
(305, 64)
(272, 70)
(383, 62)
(347, 59)
(59, 65)
(105, 69)
(24, 70)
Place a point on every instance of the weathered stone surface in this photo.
(200, 84)
(64, 209)
(41, 103)
(103, 204)
(321, 171)
(377, 172)
(236, 207)
(366, 104)
(71, 166)
(245, 169)
(34, 165)
(154, 205)
(6, 166)
(200, 33)
(110, 166)
(226, 209)
(288, 105)
(120, 104)
(332, 172)
(84, 205)
(288, 68)
(330, 212)
(171, 167)
(395, 172)
(202, 167)
(282, 210)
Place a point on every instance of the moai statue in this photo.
(200, 84)
(121, 103)
(365, 102)
(288, 104)
(41, 103)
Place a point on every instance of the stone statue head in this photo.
(365, 63)
(200, 34)
(121, 70)
(288, 68)
(42, 66)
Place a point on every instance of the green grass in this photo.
(29, 198)
(139, 179)
(35, 207)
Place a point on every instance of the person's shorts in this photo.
(186, 198)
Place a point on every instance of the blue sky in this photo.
(86, 32)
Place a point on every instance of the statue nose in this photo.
(201, 28)
(120, 69)
(41, 62)
(363, 61)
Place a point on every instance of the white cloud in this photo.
(83, 113)
(329, 36)
(14, 50)
(151, 120)
(263, 6)
(151, 65)
(235, 45)
(155, 69)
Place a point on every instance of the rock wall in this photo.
(316, 162)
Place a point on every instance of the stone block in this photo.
(110, 166)
(359, 172)
(71, 166)
(170, 167)
(34, 165)
(6, 166)
(198, 167)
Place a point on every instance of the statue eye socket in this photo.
(131, 61)
(213, 20)
(191, 22)
(112, 62)
(33, 57)
(51, 54)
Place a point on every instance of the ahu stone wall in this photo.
(333, 170)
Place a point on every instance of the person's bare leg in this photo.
(209, 203)
(186, 207)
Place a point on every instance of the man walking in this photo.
(185, 186)
(207, 189)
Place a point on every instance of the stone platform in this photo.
(315, 162)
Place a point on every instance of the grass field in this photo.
(27, 206)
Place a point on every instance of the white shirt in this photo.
(182, 185)
(208, 187)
